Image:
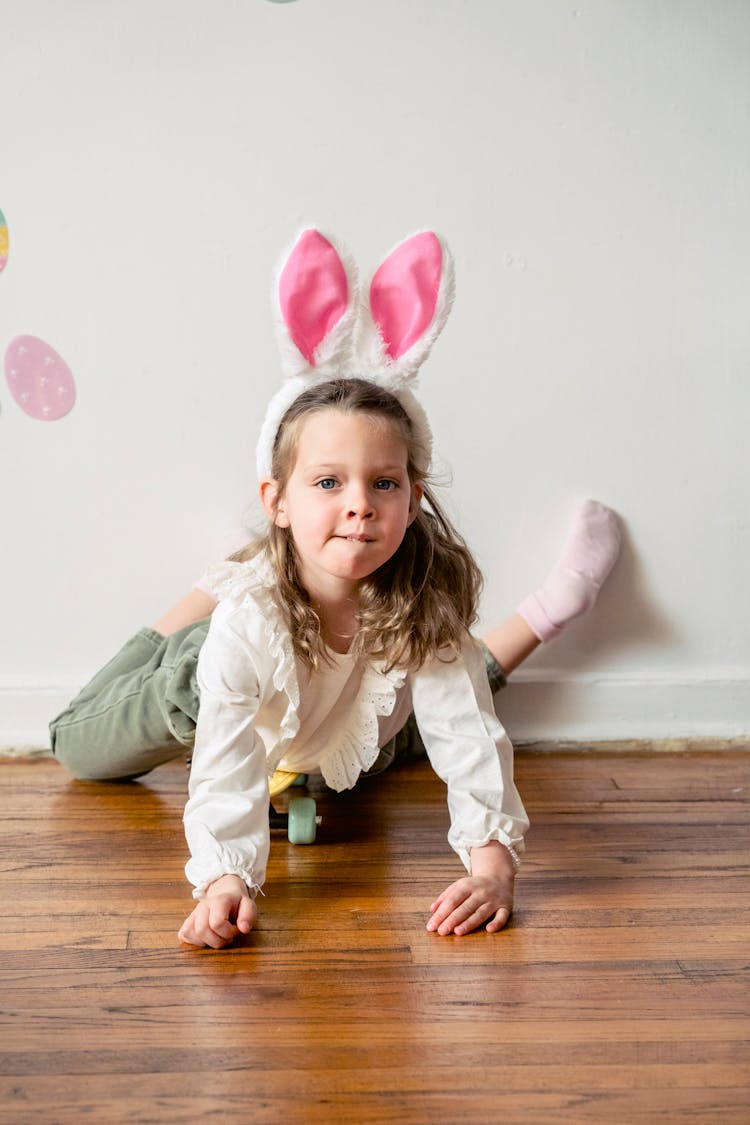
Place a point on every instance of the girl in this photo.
(353, 609)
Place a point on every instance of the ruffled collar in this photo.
(353, 745)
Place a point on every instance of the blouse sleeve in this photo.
(470, 751)
(226, 816)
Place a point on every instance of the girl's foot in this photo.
(572, 586)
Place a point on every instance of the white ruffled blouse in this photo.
(261, 709)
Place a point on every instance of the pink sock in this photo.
(572, 586)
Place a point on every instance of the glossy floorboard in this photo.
(618, 994)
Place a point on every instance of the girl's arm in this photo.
(471, 752)
(226, 816)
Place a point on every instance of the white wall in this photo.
(589, 165)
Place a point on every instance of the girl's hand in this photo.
(484, 896)
(226, 911)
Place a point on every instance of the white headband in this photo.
(324, 333)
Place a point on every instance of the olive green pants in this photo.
(140, 710)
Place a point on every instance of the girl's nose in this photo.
(360, 504)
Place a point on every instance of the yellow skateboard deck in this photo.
(281, 780)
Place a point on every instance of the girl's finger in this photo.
(197, 931)
(189, 936)
(457, 916)
(442, 909)
(246, 915)
(188, 931)
(500, 920)
(477, 918)
(218, 920)
(216, 941)
(217, 936)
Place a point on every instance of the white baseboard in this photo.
(535, 707)
(26, 711)
(587, 708)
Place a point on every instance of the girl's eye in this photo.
(385, 485)
(327, 483)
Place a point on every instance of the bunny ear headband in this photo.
(325, 333)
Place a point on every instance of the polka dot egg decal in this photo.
(39, 379)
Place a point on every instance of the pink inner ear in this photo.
(404, 292)
(313, 292)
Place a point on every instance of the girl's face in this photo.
(348, 500)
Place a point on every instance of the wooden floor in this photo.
(619, 993)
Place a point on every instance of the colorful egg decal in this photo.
(3, 242)
(39, 379)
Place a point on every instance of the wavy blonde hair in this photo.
(419, 603)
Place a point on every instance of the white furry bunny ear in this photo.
(315, 300)
(410, 297)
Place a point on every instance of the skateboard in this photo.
(300, 822)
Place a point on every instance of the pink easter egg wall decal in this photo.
(3, 242)
(39, 379)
